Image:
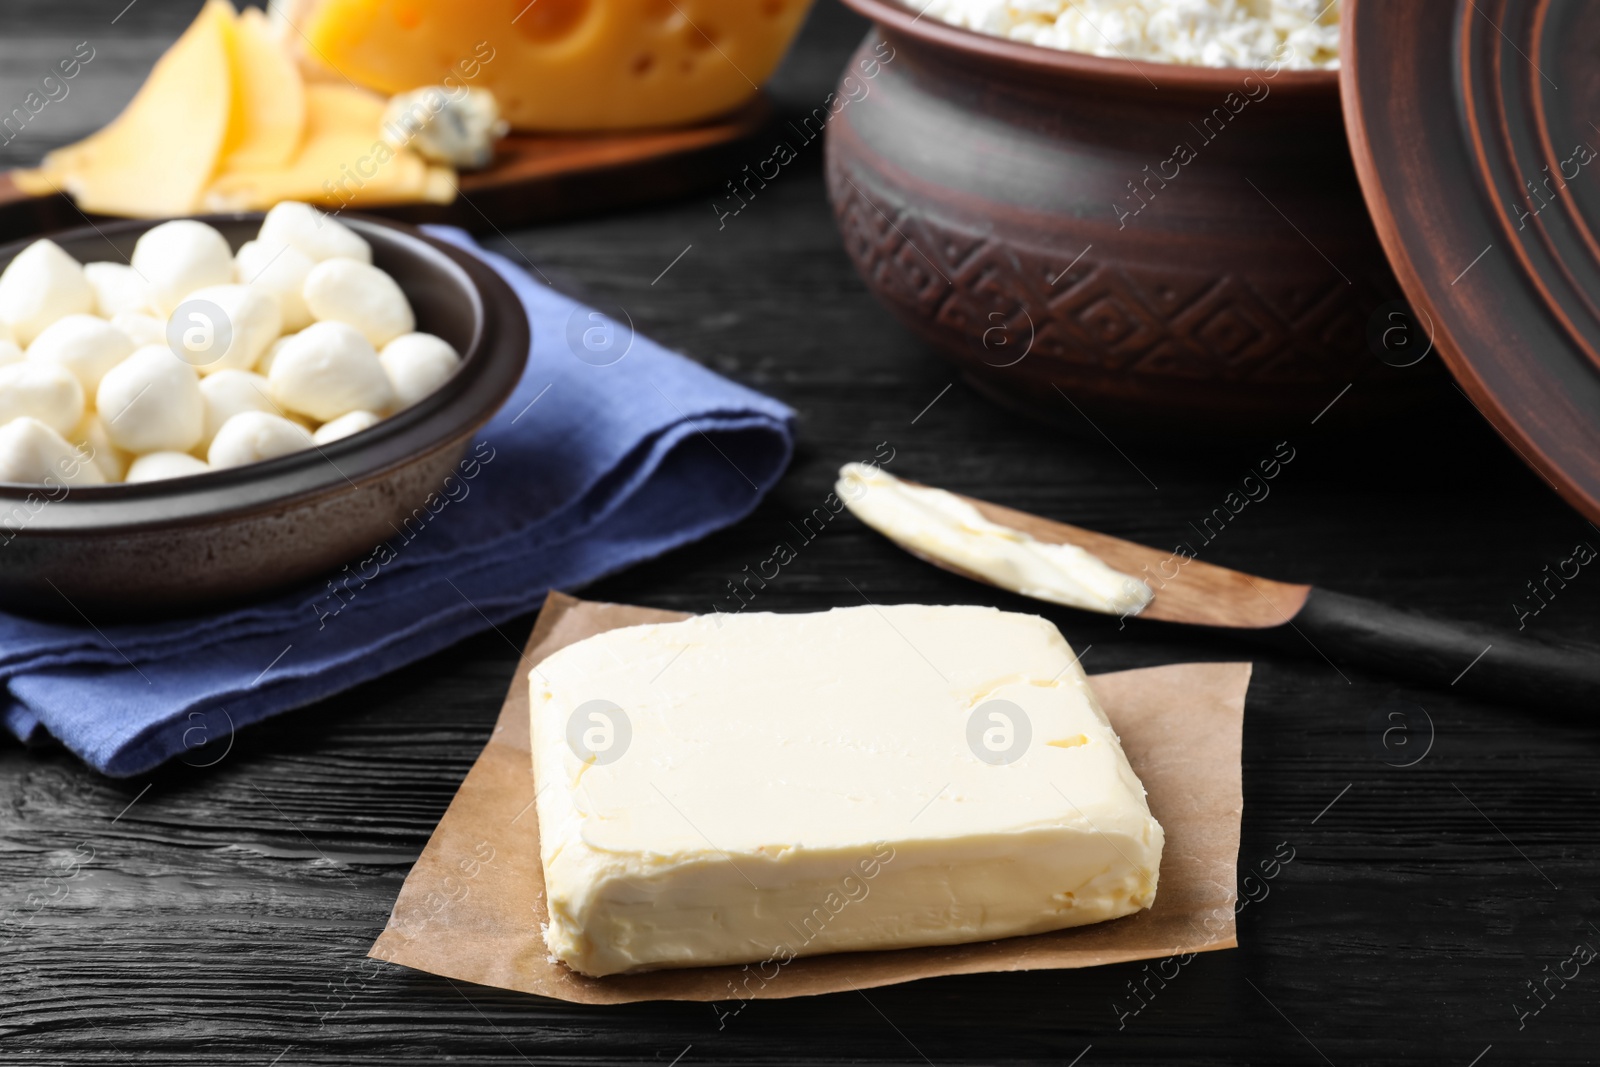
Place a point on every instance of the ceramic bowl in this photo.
(1165, 247)
(160, 548)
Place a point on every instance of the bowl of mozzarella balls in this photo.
(199, 410)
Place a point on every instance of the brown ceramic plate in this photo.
(157, 548)
(1472, 128)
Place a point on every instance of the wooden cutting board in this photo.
(536, 177)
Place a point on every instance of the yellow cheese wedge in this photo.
(156, 157)
(37, 182)
(342, 107)
(562, 64)
(269, 102)
(342, 162)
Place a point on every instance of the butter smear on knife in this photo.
(944, 528)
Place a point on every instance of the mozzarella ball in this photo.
(142, 329)
(117, 288)
(30, 451)
(264, 364)
(252, 436)
(229, 392)
(159, 466)
(280, 270)
(151, 402)
(317, 235)
(417, 364)
(326, 370)
(40, 286)
(92, 438)
(84, 345)
(10, 353)
(344, 426)
(180, 256)
(44, 391)
(344, 290)
(254, 322)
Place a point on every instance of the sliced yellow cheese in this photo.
(563, 64)
(343, 161)
(159, 154)
(39, 182)
(226, 122)
(269, 102)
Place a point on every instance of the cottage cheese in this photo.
(1294, 34)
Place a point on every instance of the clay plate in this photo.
(1454, 107)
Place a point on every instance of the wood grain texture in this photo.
(225, 915)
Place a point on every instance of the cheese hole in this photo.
(546, 21)
(643, 64)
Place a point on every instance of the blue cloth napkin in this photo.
(587, 469)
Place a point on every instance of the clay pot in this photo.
(1165, 248)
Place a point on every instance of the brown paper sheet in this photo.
(473, 905)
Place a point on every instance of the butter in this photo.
(943, 527)
(757, 787)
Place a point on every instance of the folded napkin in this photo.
(585, 470)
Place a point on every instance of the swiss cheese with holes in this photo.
(560, 64)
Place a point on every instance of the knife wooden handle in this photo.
(1464, 658)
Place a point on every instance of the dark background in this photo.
(226, 912)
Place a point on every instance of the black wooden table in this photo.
(223, 914)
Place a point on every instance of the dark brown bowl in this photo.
(159, 548)
(1024, 210)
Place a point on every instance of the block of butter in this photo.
(742, 788)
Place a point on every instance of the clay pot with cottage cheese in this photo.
(1169, 249)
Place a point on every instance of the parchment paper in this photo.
(472, 906)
